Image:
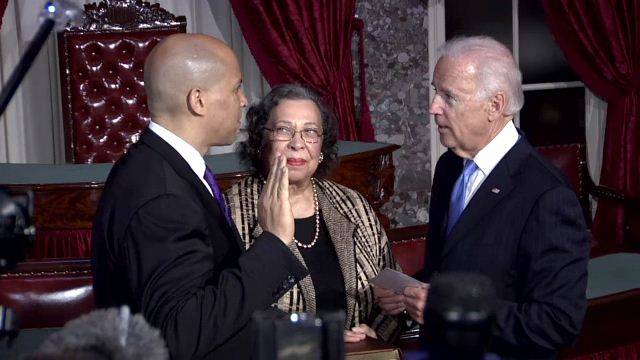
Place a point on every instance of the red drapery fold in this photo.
(366, 128)
(3, 7)
(306, 42)
(601, 40)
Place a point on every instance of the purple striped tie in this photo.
(211, 180)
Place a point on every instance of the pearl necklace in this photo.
(317, 214)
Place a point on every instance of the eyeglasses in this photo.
(285, 133)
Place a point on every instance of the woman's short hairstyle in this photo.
(497, 70)
(255, 147)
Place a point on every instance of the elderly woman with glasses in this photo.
(337, 235)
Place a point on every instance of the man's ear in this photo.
(496, 106)
(195, 101)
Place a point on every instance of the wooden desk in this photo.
(371, 349)
(66, 196)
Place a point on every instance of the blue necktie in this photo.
(211, 180)
(457, 196)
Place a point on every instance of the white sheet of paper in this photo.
(394, 280)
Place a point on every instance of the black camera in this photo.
(16, 235)
(283, 336)
(16, 230)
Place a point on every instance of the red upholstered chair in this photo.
(48, 293)
(571, 159)
(408, 246)
(104, 104)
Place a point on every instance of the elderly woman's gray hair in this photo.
(496, 68)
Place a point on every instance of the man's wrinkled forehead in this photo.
(450, 68)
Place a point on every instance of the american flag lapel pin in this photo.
(495, 190)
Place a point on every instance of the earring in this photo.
(320, 158)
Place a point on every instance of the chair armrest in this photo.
(604, 192)
(608, 193)
(48, 293)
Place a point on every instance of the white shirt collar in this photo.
(188, 152)
(492, 153)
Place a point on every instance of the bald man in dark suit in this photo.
(164, 242)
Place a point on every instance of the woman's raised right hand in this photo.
(274, 207)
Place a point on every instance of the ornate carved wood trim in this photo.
(126, 15)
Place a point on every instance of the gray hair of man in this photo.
(113, 333)
(496, 69)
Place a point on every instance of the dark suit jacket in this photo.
(162, 246)
(529, 237)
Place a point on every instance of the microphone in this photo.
(458, 316)
(104, 334)
(56, 14)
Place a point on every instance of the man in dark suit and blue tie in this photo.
(499, 209)
(164, 241)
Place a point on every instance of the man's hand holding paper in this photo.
(396, 292)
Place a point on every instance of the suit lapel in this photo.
(443, 201)
(182, 168)
(494, 189)
(481, 203)
(341, 234)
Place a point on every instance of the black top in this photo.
(323, 265)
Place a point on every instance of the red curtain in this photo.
(601, 40)
(3, 7)
(307, 42)
(624, 352)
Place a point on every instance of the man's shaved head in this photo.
(194, 89)
(179, 63)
